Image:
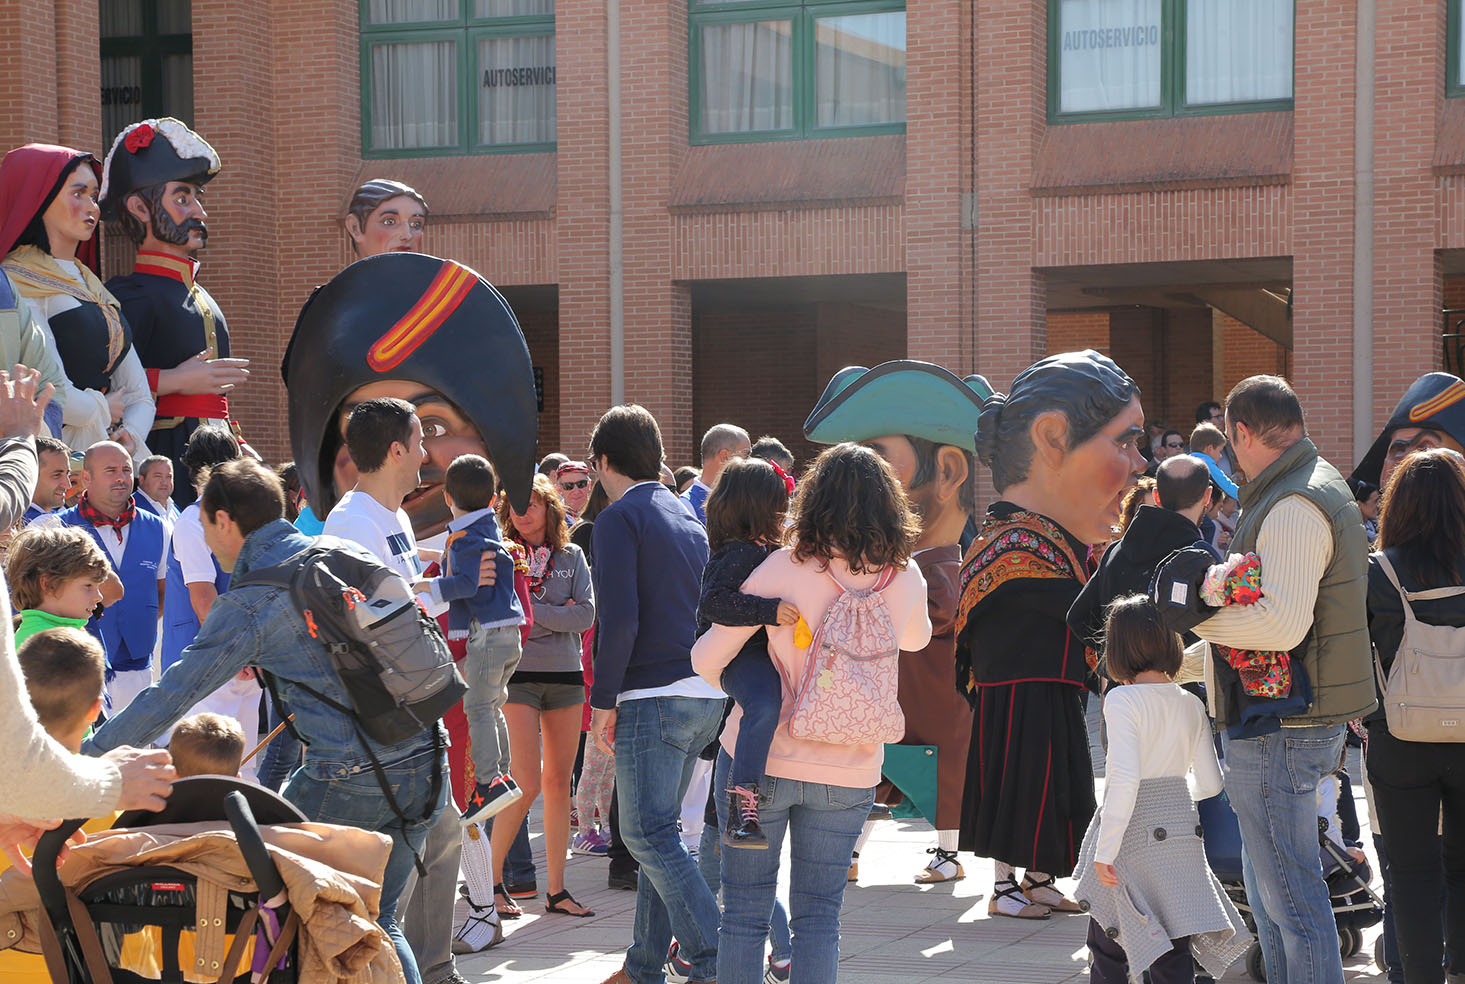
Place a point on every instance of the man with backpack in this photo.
(349, 776)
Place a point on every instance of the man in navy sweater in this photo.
(648, 707)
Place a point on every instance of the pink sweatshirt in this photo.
(812, 592)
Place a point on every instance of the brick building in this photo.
(709, 207)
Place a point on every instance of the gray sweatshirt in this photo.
(554, 640)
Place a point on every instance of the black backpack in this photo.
(390, 656)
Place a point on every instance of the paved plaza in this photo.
(892, 930)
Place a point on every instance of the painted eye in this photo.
(431, 428)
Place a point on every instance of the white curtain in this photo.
(414, 95)
(513, 8)
(860, 67)
(1238, 51)
(516, 87)
(410, 11)
(1109, 54)
(747, 77)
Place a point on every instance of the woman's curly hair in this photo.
(850, 505)
(556, 530)
(40, 560)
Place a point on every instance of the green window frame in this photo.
(1453, 85)
(803, 16)
(464, 31)
(153, 97)
(1172, 75)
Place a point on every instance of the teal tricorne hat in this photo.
(901, 397)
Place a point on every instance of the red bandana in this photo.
(93, 515)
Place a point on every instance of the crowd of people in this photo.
(691, 670)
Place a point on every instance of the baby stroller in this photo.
(140, 925)
(1355, 904)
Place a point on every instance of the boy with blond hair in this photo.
(207, 744)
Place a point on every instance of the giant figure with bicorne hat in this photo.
(153, 183)
(1431, 414)
(921, 418)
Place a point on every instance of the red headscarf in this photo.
(27, 176)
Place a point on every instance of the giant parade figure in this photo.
(1062, 448)
(153, 183)
(920, 418)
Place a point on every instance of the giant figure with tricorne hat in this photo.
(920, 418)
(153, 183)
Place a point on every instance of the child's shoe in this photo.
(590, 842)
(489, 798)
(743, 829)
(777, 972)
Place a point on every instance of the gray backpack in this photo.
(1424, 692)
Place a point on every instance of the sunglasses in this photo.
(583, 483)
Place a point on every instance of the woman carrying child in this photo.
(1152, 901)
(853, 531)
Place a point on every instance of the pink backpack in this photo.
(848, 694)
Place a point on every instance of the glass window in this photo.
(860, 69)
(1137, 58)
(457, 76)
(763, 69)
(1109, 55)
(146, 62)
(1454, 44)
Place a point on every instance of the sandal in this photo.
(1064, 905)
(934, 873)
(1030, 910)
(507, 907)
(552, 903)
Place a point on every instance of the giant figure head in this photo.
(1064, 441)
(153, 183)
(1431, 414)
(428, 331)
(919, 417)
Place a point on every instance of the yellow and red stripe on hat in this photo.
(1447, 397)
(442, 297)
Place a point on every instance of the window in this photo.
(1454, 34)
(147, 62)
(1124, 59)
(456, 77)
(765, 70)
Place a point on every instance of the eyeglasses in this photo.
(583, 483)
(1172, 446)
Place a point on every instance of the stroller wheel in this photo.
(1378, 955)
(1350, 941)
(1256, 967)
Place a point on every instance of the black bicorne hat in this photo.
(152, 152)
(417, 317)
(1435, 401)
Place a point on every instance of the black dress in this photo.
(1030, 790)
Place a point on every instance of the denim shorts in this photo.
(546, 696)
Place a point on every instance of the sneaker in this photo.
(521, 890)
(574, 816)
(777, 972)
(482, 930)
(624, 881)
(589, 842)
(678, 971)
(489, 798)
(742, 828)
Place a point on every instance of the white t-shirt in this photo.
(385, 534)
(193, 554)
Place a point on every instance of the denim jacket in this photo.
(256, 625)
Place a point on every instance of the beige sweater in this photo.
(43, 781)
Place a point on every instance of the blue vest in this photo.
(129, 629)
(180, 624)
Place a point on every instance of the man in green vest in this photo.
(1299, 517)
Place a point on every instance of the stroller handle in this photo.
(48, 882)
(252, 847)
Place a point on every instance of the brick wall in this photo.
(1074, 331)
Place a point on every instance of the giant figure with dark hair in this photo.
(153, 183)
(1062, 446)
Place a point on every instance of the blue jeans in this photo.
(825, 822)
(493, 655)
(709, 862)
(1272, 784)
(281, 756)
(353, 798)
(657, 740)
(519, 863)
(752, 681)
